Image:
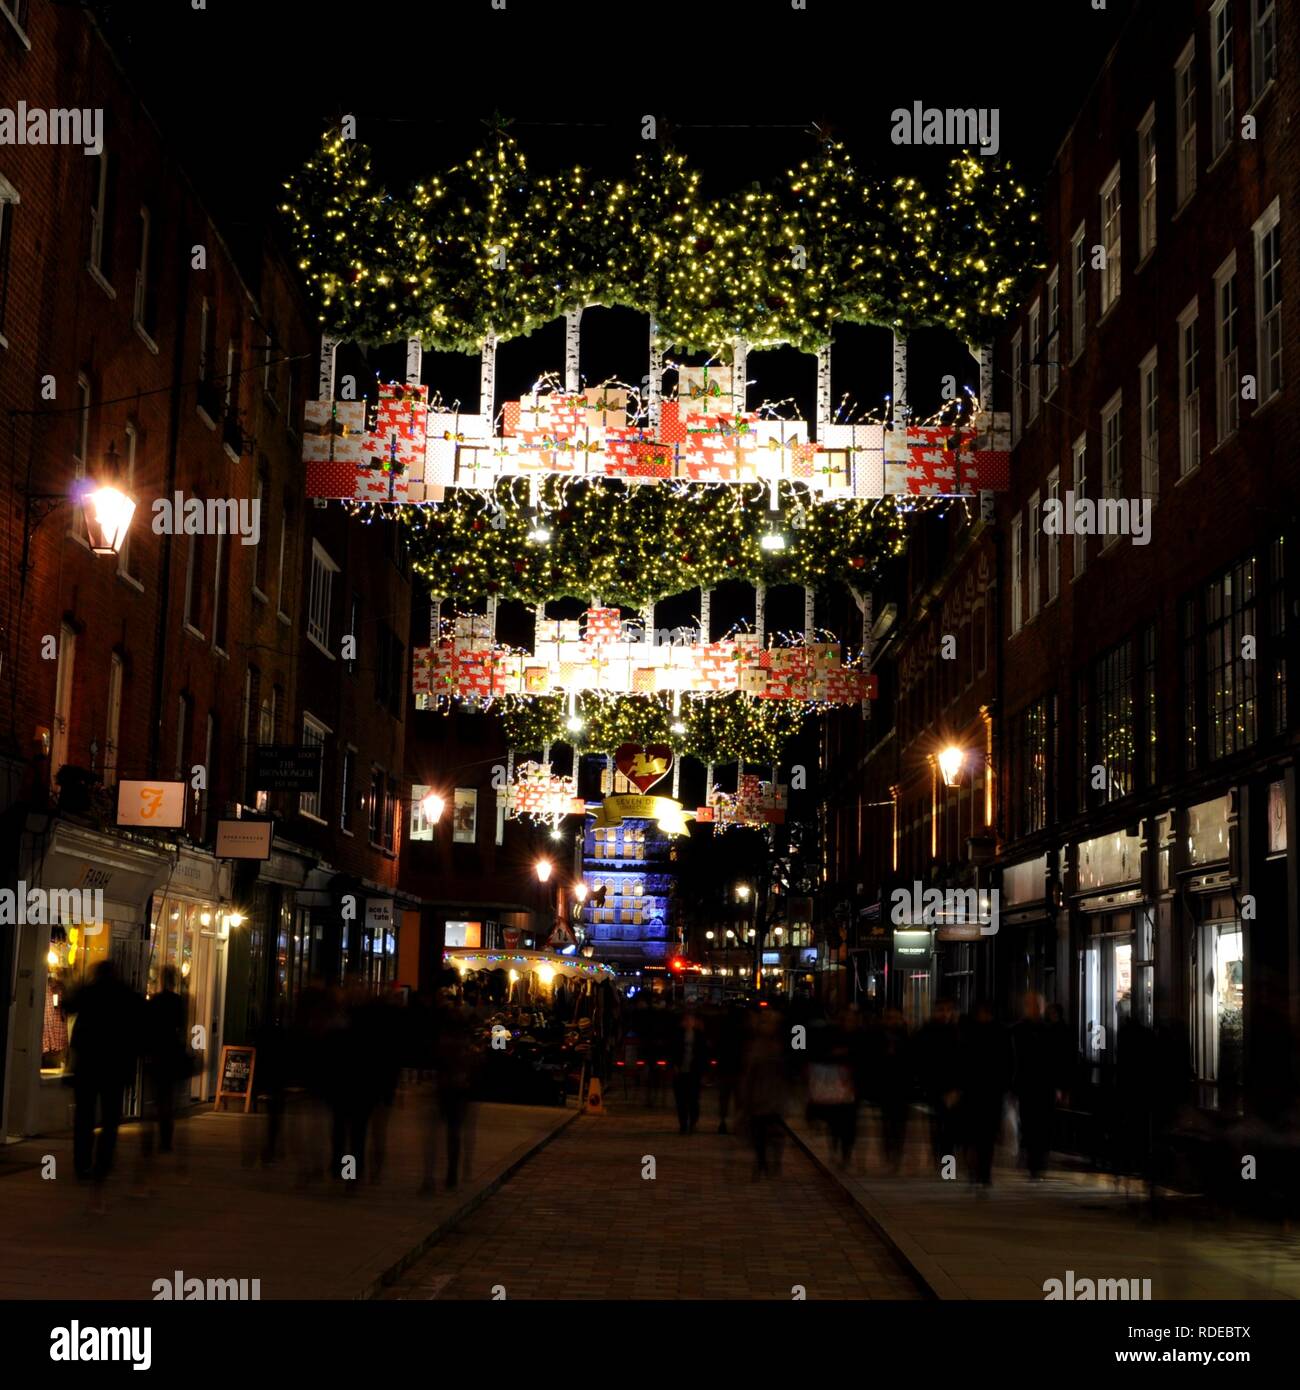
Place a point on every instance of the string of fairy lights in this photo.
(491, 247)
(491, 250)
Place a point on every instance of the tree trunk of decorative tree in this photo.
(654, 381)
(739, 371)
(572, 351)
(325, 377)
(487, 379)
(706, 614)
(823, 388)
(900, 379)
(414, 361)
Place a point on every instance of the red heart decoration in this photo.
(643, 766)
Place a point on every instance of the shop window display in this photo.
(71, 961)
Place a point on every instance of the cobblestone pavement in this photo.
(579, 1220)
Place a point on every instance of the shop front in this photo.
(55, 956)
(1115, 946)
(1028, 932)
(189, 928)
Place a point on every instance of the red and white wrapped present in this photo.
(923, 461)
(603, 625)
(333, 442)
(645, 460)
(672, 423)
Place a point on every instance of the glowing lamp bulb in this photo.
(951, 761)
(543, 868)
(432, 807)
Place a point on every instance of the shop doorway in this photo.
(916, 997)
(1216, 981)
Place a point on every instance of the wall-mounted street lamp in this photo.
(106, 508)
(543, 868)
(432, 806)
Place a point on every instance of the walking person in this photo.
(105, 1048)
(939, 1062)
(167, 1057)
(730, 1057)
(1035, 1081)
(986, 1074)
(893, 1064)
(763, 1092)
(688, 1060)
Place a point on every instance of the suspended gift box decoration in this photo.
(409, 453)
(538, 792)
(468, 665)
(754, 802)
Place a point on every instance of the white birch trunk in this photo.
(900, 379)
(823, 389)
(414, 361)
(572, 351)
(739, 371)
(809, 614)
(325, 377)
(654, 382)
(706, 615)
(760, 612)
(487, 380)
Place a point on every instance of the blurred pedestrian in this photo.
(688, 1057)
(456, 1068)
(985, 1076)
(939, 1063)
(730, 1054)
(166, 1056)
(105, 1045)
(893, 1081)
(763, 1091)
(1035, 1081)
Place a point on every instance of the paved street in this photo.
(227, 1217)
(580, 1221)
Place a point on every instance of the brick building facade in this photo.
(136, 347)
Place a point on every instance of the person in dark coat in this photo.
(688, 1059)
(1036, 1082)
(167, 1055)
(939, 1064)
(730, 1053)
(892, 1064)
(986, 1074)
(105, 1047)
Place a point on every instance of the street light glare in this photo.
(432, 807)
(951, 761)
(543, 867)
(108, 518)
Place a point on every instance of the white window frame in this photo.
(1185, 124)
(192, 561)
(320, 601)
(113, 723)
(1078, 291)
(1222, 113)
(1147, 171)
(1189, 392)
(314, 733)
(1035, 351)
(81, 449)
(219, 543)
(63, 687)
(1268, 317)
(419, 827)
(1263, 47)
(280, 609)
(1079, 486)
(1017, 370)
(1111, 205)
(142, 282)
(1227, 343)
(184, 708)
(8, 199)
(96, 262)
(1053, 330)
(1112, 454)
(1035, 553)
(1149, 425)
(128, 469)
(1017, 573)
(347, 788)
(1054, 538)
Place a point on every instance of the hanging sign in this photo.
(157, 804)
(668, 813)
(643, 766)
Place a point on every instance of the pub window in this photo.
(1151, 725)
(1115, 732)
(1191, 722)
(1277, 633)
(314, 734)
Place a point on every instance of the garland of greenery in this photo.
(492, 247)
(720, 729)
(635, 545)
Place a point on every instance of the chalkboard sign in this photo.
(235, 1078)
